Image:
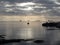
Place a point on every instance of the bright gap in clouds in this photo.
(27, 9)
(25, 4)
(30, 6)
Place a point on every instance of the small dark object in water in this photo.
(28, 39)
(58, 26)
(2, 36)
(28, 23)
(10, 41)
(51, 24)
(39, 41)
(51, 29)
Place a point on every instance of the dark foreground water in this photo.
(34, 30)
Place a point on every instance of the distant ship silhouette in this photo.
(51, 24)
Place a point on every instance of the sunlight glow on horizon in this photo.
(23, 18)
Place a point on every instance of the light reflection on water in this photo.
(25, 33)
(21, 30)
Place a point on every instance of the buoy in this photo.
(28, 23)
(39, 41)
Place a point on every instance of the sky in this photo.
(30, 7)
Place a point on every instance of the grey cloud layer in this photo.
(52, 7)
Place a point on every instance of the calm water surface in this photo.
(34, 30)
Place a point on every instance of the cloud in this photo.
(56, 2)
(51, 7)
(25, 4)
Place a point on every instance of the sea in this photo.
(33, 30)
